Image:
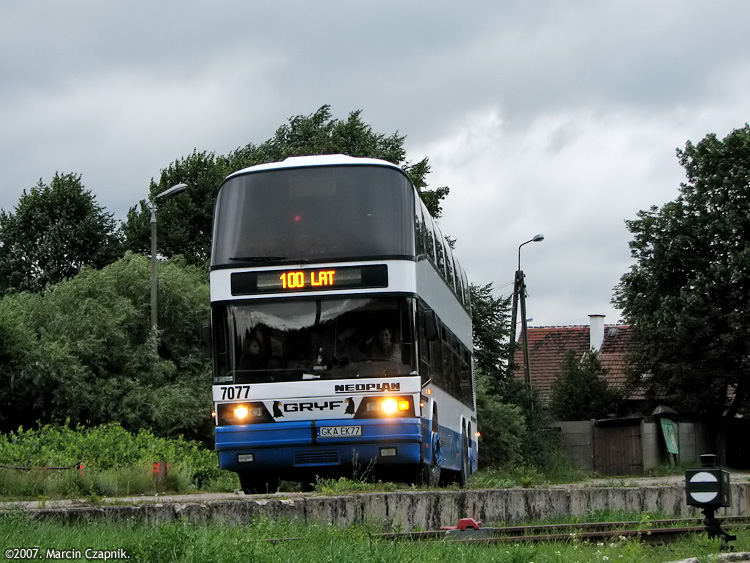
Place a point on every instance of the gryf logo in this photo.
(367, 387)
(303, 406)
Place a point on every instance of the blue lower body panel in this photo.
(321, 447)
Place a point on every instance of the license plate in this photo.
(339, 431)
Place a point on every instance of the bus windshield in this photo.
(295, 340)
(313, 214)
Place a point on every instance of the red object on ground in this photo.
(463, 525)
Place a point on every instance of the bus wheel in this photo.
(463, 474)
(430, 471)
(258, 483)
(429, 474)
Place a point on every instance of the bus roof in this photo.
(316, 160)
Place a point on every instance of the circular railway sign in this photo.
(704, 487)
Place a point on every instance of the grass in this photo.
(184, 541)
(93, 483)
(138, 480)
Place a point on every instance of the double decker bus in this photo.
(341, 328)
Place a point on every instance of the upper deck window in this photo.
(317, 213)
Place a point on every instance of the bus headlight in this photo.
(385, 406)
(389, 406)
(241, 413)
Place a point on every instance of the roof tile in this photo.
(549, 345)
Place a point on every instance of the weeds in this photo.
(103, 461)
(344, 485)
(183, 540)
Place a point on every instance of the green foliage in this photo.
(184, 222)
(580, 391)
(108, 446)
(522, 475)
(258, 540)
(115, 462)
(55, 231)
(491, 332)
(687, 294)
(342, 485)
(516, 429)
(502, 425)
(84, 351)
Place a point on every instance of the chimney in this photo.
(596, 333)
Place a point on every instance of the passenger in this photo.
(252, 356)
(382, 347)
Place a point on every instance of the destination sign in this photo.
(309, 279)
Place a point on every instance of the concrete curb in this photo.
(405, 510)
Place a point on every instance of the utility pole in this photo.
(519, 297)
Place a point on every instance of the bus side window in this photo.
(467, 292)
(420, 235)
(467, 384)
(436, 357)
(440, 251)
(425, 368)
(449, 375)
(459, 284)
(449, 266)
(429, 235)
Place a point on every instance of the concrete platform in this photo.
(406, 510)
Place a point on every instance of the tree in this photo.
(688, 294)
(503, 425)
(56, 230)
(580, 391)
(185, 221)
(491, 333)
(84, 352)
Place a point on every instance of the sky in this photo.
(542, 116)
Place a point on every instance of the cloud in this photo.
(540, 117)
(575, 178)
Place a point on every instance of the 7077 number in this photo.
(235, 392)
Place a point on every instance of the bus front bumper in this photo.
(296, 447)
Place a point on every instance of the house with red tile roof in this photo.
(548, 346)
(628, 445)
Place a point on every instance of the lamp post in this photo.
(519, 293)
(152, 204)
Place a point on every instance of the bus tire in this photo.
(429, 474)
(465, 470)
(258, 483)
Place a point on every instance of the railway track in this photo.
(656, 531)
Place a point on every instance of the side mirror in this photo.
(430, 325)
(205, 337)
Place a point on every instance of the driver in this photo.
(382, 347)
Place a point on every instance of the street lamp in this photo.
(152, 204)
(519, 292)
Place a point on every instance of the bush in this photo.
(115, 462)
(580, 391)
